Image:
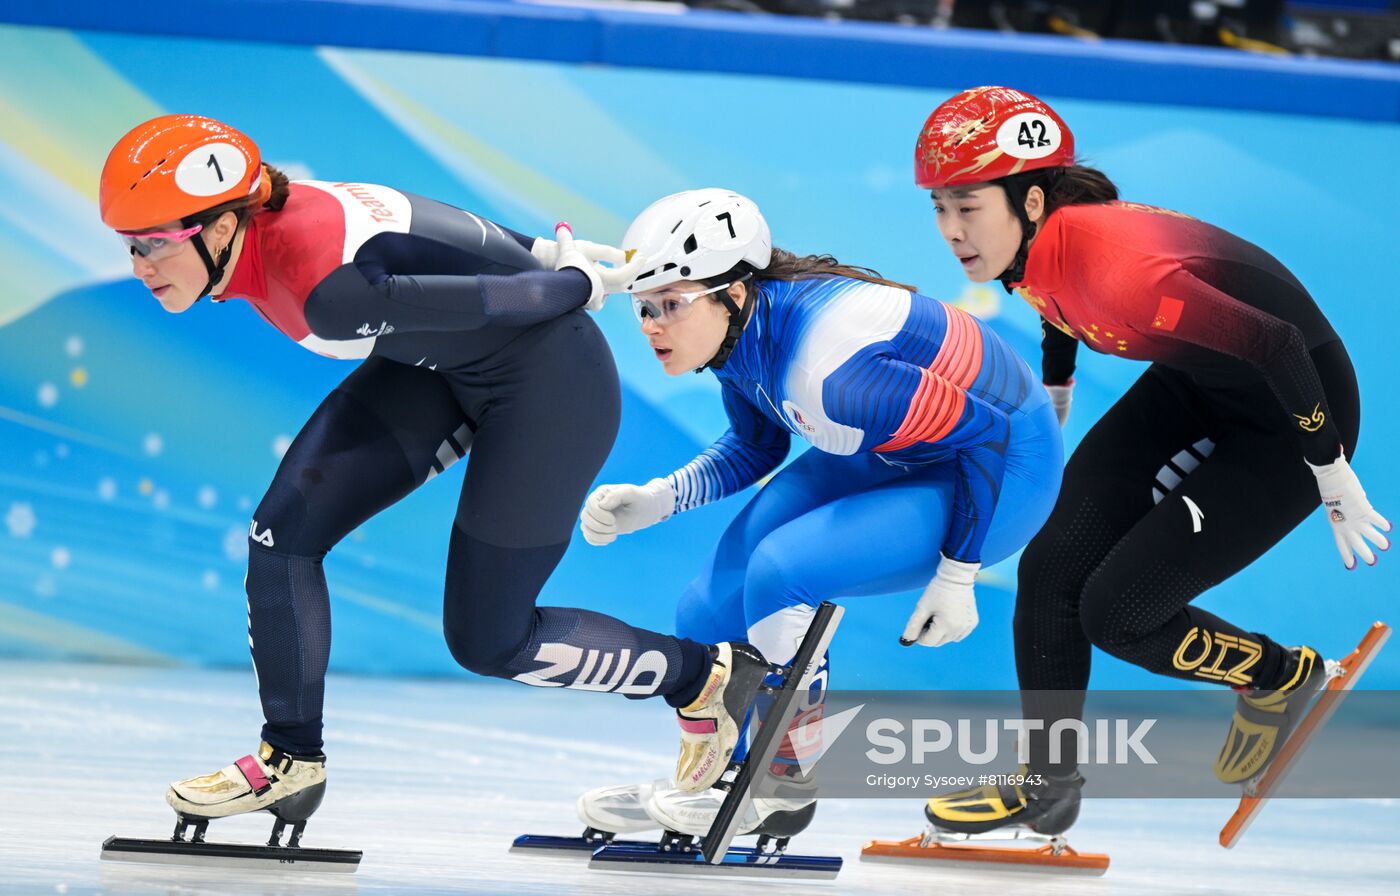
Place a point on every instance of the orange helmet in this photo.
(176, 166)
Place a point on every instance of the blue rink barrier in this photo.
(698, 40)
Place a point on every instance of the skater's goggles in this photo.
(668, 306)
(156, 245)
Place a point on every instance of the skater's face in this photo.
(980, 227)
(170, 266)
(685, 329)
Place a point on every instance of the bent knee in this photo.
(1112, 613)
(772, 582)
(285, 522)
(477, 655)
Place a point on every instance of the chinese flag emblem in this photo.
(1168, 314)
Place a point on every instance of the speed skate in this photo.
(712, 853)
(1342, 676)
(255, 783)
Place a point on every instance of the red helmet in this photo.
(988, 133)
(175, 166)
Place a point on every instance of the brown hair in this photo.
(785, 265)
(246, 208)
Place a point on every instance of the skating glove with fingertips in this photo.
(947, 611)
(1354, 521)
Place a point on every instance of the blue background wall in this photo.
(134, 444)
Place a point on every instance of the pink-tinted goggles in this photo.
(155, 245)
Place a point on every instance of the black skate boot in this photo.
(963, 823)
(1264, 719)
(1049, 806)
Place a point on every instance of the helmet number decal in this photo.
(211, 169)
(1024, 137)
(729, 221)
(1029, 135)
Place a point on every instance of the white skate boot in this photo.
(694, 813)
(620, 809)
(710, 725)
(605, 812)
(290, 787)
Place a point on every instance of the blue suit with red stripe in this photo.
(931, 435)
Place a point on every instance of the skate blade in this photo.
(545, 844)
(1259, 790)
(738, 861)
(1009, 858)
(229, 855)
(770, 733)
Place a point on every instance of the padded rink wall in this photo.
(134, 445)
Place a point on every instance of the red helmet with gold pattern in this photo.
(988, 133)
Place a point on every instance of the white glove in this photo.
(547, 252)
(614, 510)
(617, 278)
(947, 610)
(604, 280)
(1060, 398)
(1353, 520)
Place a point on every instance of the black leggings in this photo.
(1116, 569)
(539, 415)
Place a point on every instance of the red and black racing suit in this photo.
(1242, 357)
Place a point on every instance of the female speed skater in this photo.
(1245, 367)
(935, 450)
(470, 335)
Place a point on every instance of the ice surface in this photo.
(432, 779)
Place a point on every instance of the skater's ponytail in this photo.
(786, 265)
(272, 197)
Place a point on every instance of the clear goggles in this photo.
(155, 245)
(667, 307)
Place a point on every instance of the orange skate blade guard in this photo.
(1010, 857)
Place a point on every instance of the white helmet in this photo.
(695, 235)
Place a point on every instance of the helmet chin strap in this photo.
(215, 268)
(738, 320)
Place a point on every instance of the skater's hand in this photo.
(1060, 398)
(617, 275)
(605, 279)
(546, 251)
(947, 611)
(1354, 521)
(614, 510)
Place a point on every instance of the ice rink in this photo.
(432, 779)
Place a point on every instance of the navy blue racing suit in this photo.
(467, 344)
